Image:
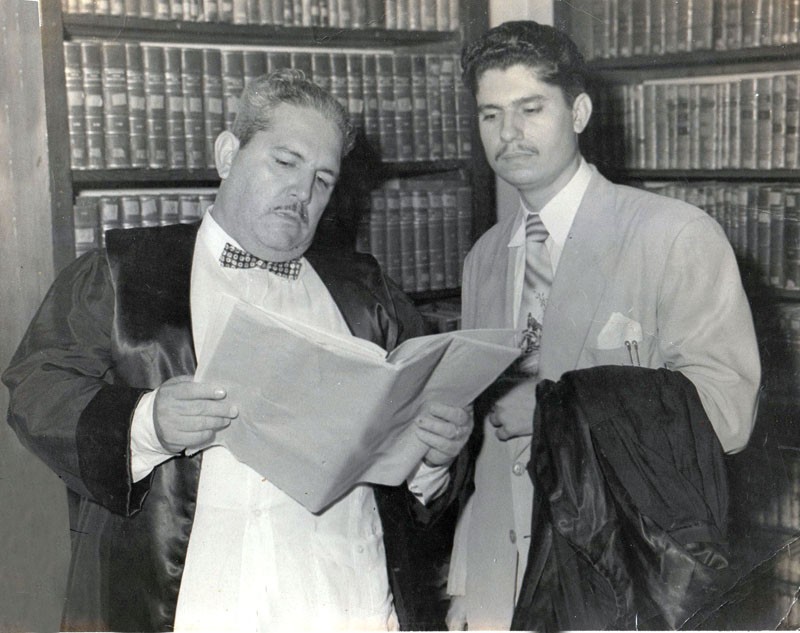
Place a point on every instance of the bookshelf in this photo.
(699, 101)
(427, 35)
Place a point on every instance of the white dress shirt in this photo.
(257, 559)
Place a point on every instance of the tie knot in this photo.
(534, 228)
(233, 257)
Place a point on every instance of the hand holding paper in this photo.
(320, 413)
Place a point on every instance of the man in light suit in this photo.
(628, 277)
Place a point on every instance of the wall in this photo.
(34, 531)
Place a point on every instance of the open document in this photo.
(319, 413)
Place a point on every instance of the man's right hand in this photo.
(188, 414)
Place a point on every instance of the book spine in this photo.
(386, 107)
(649, 113)
(707, 118)
(442, 10)
(778, 121)
(791, 262)
(767, 23)
(434, 97)
(370, 91)
(162, 9)
(345, 14)
(276, 60)
(452, 265)
(421, 150)
(702, 22)
(333, 13)
(130, 212)
(155, 105)
(193, 115)
(641, 21)
(764, 123)
(422, 254)
(748, 123)
(661, 145)
(173, 94)
(625, 28)
(464, 116)
(447, 83)
(683, 130)
(403, 107)
(414, 14)
(92, 67)
(464, 221)
(394, 268)
(76, 115)
(254, 64)
(86, 223)
(358, 14)
(321, 70)
(763, 234)
(137, 105)
(436, 237)
(213, 110)
(148, 209)
(407, 255)
(339, 85)
(792, 120)
(377, 227)
(777, 277)
(374, 14)
(210, 11)
(303, 61)
(751, 22)
(455, 15)
(355, 90)
(427, 20)
(109, 214)
(232, 85)
(734, 26)
(671, 21)
(401, 19)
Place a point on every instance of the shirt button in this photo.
(257, 513)
(360, 549)
(512, 536)
(518, 469)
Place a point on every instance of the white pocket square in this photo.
(617, 330)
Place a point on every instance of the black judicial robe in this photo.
(117, 324)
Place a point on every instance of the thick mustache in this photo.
(509, 149)
(295, 207)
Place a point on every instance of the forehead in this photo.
(496, 86)
(304, 131)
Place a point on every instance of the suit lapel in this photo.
(583, 271)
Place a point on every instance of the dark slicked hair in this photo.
(548, 52)
(265, 93)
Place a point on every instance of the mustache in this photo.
(298, 208)
(510, 149)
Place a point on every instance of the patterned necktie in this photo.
(537, 282)
(233, 257)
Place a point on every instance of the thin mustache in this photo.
(296, 207)
(506, 149)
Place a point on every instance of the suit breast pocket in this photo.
(628, 354)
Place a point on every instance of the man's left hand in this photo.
(444, 429)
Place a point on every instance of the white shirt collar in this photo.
(557, 215)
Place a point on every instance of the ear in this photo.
(225, 148)
(581, 112)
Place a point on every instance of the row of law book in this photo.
(761, 221)
(100, 211)
(420, 231)
(741, 122)
(626, 28)
(407, 15)
(134, 105)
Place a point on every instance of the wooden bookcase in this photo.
(67, 183)
(765, 477)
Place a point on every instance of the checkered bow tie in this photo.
(233, 257)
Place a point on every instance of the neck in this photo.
(536, 198)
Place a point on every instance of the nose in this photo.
(510, 128)
(301, 186)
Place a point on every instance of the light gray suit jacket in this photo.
(635, 266)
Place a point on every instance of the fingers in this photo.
(445, 430)
(187, 414)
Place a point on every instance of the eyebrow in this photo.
(298, 155)
(515, 103)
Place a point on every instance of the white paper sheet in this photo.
(319, 413)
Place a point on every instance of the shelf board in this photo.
(755, 175)
(710, 58)
(93, 178)
(267, 35)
